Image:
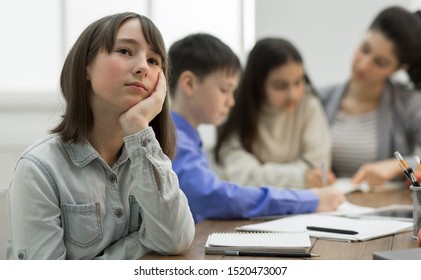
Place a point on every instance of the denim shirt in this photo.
(65, 202)
(212, 198)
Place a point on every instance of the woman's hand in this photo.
(139, 116)
(377, 173)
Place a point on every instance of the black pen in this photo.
(332, 230)
(269, 254)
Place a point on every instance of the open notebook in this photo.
(276, 242)
(363, 229)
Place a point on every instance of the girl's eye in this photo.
(280, 87)
(124, 51)
(365, 49)
(153, 61)
(299, 82)
(380, 63)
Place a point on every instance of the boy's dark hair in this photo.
(100, 36)
(201, 54)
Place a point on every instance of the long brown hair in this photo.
(267, 54)
(78, 118)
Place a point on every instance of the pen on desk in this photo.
(270, 254)
(332, 230)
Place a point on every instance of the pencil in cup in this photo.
(407, 170)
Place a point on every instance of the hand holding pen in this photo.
(318, 176)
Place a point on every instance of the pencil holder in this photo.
(416, 210)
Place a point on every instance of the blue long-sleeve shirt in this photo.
(211, 198)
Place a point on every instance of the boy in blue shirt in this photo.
(205, 73)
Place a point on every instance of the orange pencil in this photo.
(401, 160)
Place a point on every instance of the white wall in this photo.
(30, 55)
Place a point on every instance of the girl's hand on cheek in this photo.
(139, 116)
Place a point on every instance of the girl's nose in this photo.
(231, 100)
(141, 67)
(289, 93)
(364, 63)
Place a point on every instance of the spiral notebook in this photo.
(276, 242)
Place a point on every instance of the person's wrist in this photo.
(133, 125)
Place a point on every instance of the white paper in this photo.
(346, 186)
(366, 228)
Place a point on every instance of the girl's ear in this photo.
(88, 71)
(187, 83)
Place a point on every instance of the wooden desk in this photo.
(328, 250)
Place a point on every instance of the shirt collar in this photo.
(82, 154)
(183, 125)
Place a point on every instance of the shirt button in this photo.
(118, 212)
(145, 142)
(113, 178)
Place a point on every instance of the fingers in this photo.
(315, 179)
(152, 105)
(331, 178)
(359, 176)
(161, 85)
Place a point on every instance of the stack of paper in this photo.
(276, 242)
(360, 229)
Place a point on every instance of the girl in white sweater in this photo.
(277, 132)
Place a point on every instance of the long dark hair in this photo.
(267, 54)
(78, 118)
(403, 28)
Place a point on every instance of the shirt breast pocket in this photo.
(82, 223)
(135, 218)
